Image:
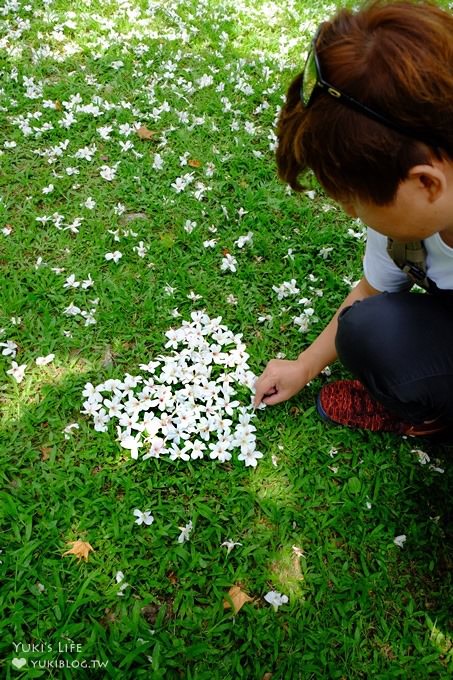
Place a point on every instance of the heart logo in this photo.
(19, 663)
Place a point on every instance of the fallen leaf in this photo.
(238, 597)
(108, 618)
(58, 105)
(144, 133)
(172, 577)
(194, 163)
(79, 548)
(45, 452)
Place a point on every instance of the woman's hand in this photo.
(280, 380)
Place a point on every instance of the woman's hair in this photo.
(394, 57)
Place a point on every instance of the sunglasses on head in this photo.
(313, 83)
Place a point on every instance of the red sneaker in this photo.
(347, 402)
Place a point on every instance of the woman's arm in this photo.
(282, 379)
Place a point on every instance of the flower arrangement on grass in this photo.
(189, 406)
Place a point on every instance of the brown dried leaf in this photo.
(172, 577)
(108, 618)
(80, 549)
(238, 597)
(45, 452)
(194, 163)
(144, 133)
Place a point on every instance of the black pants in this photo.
(400, 346)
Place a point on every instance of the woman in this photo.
(372, 116)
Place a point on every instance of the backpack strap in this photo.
(411, 259)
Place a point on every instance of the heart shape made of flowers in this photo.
(187, 405)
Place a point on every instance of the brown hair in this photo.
(395, 57)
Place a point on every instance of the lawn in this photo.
(139, 203)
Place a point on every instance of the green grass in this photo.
(359, 606)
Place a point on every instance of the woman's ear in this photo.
(431, 179)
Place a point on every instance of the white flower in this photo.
(119, 209)
(423, 457)
(71, 282)
(243, 240)
(229, 545)
(127, 441)
(107, 172)
(105, 131)
(189, 226)
(90, 203)
(17, 372)
(119, 577)
(72, 310)
(158, 162)
(400, 540)
(287, 288)
(100, 419)
(43, 361)
(275, 599)
(250, 457)
(87, 283)
(143, 517)
(228, 263)
(185, 533)
(194, 296)
(324, 252)
(115, 256)
(141, 249)
(10, 348)
(67, 430)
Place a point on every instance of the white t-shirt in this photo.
(383, 274)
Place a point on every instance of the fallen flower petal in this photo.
(43, 361)
(400, 540)
(185, 533)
